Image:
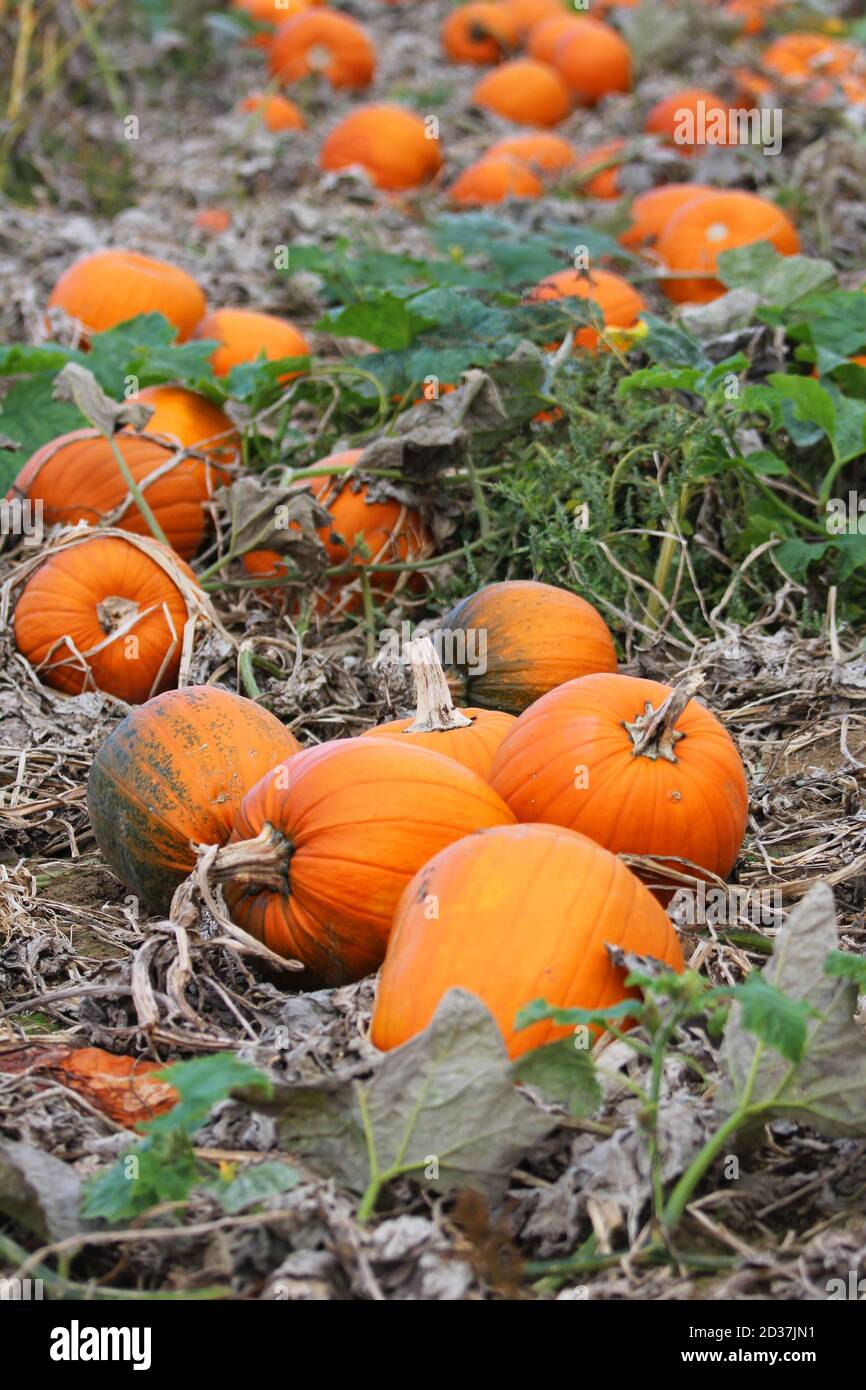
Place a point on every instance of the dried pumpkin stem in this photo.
(434, 708)
(654, 733)
(262, 862)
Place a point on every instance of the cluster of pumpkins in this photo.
(473, 846)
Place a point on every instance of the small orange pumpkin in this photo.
(682, 119)
(245, 334)
(394, 147)
(471, 736)
(522, 912)
(594, 61)
(105, 613)
(803, 57)
(544, 37)
(695, 237)
(108, 287)
(603, 184)
(271, 13)
(634, 765)
(493, 179)
(192, 422)
(480, 32)
(540, 150)
(362, 533)
(324, 41)
(509, 643)
(524, 91)
(275, 110)
(653, 210)
(619, 302)
(214, 221)
(525, 15)
(76, 478)
(325, 843)
(171, 776)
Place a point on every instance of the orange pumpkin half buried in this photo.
(635, 766)
(362, 533)
(704, 227)
(324, 845)
(619, 302)
(514, 915)
(172, 775)
(105, 613)
(470, 736)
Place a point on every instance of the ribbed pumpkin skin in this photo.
(109, 287)
(194, 422)
(173, 773)
(521, 913)
(351, 58)
(62, 598)
(361, 816)
(537, 637)
(474, 748)
(694, 808)
(704, 227)
(76, 478)
(389, 143)
(245, 334)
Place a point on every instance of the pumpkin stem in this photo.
(654, 733)
(262, 862)
(114, 611)
(434, 708)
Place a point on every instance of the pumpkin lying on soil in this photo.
(600, 181)
(480, 32)
(76, 478)
(631, 763)
(106, 613)
(540, 150)
(244, 335)
(524, 91)
(704, 227)
(544, 36)
(275, 110)
(509, 643)
(324, 845)
(593, 61)
(619, 302)
(512, 915)
(361, 533)
(470, 736)
(652, 211)
(323, 41)
(106, 288)
(394, 147)
(172, 775)
(493, 179)
(681, 118)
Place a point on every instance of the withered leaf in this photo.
(80, 387)
(39, 1192)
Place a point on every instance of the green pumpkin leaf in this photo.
(563, 1073)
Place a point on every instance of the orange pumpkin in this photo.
(525, 15)
(619, 302)
(604, 183)
(106, 288)
(190, 421)
(362, 533)
(172, 775)
(750, 15)
(326, 42)
(245, 334)
(593, 61)
(325, 843)
(470, 736)
(544, 37)
(480, 32)
(493, 179)
(509, 643)
(803, 57)
(214, 221)
(271, 13)
(695, 237)
(395, 148)
(521, 913)
(639, 768)
(684, 118)
(524, 91)
(105, 613)
(652, 211)
(76, 478)
(540, 150)
(275, 110)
